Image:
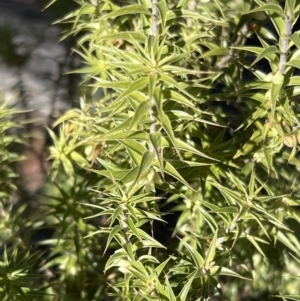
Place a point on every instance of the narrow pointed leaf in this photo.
(212, 249)
(141, 111)
(127, 10)
(186, 289)
(255, 244)
(268, 8)
(155, 139)
(161, 267)
(196, 257)
(111, 235)
(144, 166)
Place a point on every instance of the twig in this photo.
(125, 229)
(223, 62)
(284, 45)
(154, 30)
(191, 7)
(154, 26)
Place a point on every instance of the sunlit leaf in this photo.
(127, 10)
(268, 8)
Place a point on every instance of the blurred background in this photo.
(33, 76)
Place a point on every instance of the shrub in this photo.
(196, 125)
(17, 260)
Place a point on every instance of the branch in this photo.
(284, 45)
(154, 27)
(154, 30)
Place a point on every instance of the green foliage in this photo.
(7, 157)
(16, 259)
(192, 117)
(226, 156)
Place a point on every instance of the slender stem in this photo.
(154, 31)
(284, 43)
(153, 125)
(191, 7)
(124, 225)
(154, 27)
